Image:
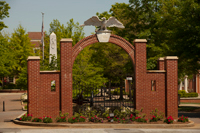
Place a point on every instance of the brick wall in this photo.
(41, 100)
(190, 100)
(49, 101)
(164, 97)
(155, 99)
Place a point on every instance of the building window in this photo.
(36, 51)
(153, 85)
(11, 79)
(53, 85)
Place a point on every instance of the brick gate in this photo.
(153, 88)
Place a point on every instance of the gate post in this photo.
(33, 67)
(171, 92)
(66, 75)
(140, 73)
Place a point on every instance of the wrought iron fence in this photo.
(102, 97)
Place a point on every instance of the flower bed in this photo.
(117, 117)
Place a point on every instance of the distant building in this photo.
(191, 85)
(36, 39)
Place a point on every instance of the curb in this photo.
(191, 124)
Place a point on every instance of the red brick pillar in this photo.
(161, 63)
(171, 65)
(33, 84)
(140, 72)
(66, 75)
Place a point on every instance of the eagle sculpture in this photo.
(95, 21)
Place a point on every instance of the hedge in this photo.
(184, 94)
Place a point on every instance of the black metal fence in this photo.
(104, 97)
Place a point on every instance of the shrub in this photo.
(105, 114)
(37, 119)
(26, 117)
(72, 120)
(132, 117)
(116, 118)
(139, 119)
(10, 86)
(109, 119)
(82, 119)
(123, 120)
(183, 119)
(169, 120)
(137, 112)
(47, 119)
(62, 117)
(157, 115)
(153, 119)
(184, 94)
(94, 119)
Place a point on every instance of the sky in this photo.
(28, 13)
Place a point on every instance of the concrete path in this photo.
(13, 107)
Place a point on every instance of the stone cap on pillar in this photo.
(161, 58)
(171, 57)
(66, 40)
(33, 58)
(140, 40)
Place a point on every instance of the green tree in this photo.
(87, 74)
(4, 7)
(170, 27)
(22, 48)
(85, 71)
(71, 30)
(115, 62)
(6, 56)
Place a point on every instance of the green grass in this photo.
(190, 103)
(187, 109)
(25, 107)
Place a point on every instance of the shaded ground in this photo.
(13, 106)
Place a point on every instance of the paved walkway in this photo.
(13, 108)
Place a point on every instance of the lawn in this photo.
(187, 109)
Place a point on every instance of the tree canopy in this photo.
(170, 27)
(4, 7)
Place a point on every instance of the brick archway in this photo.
(153, 88)
(121, 42)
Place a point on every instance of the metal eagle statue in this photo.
(103, 24)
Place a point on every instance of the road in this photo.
(13, 109)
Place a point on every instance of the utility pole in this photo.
(42, 37)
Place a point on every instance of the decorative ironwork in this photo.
(112, 98)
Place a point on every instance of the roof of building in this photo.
(35, 38)
(35, 35)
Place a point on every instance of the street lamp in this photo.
(129, 78)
